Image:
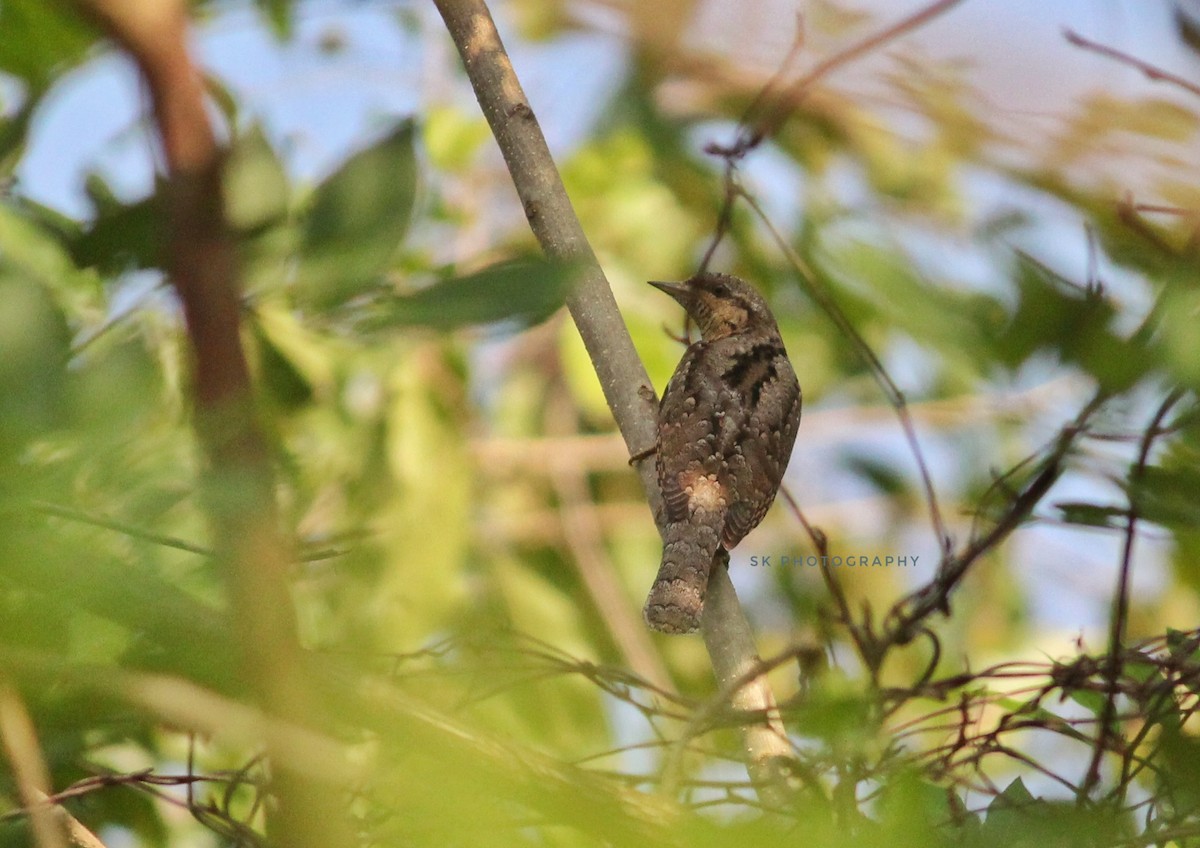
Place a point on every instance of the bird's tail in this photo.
(677, 596)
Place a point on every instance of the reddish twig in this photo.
(1120, 613)
(239, 485)
(790, 98)
(1151, 71)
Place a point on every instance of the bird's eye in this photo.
(721, 290)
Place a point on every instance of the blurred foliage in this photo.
(449, 471)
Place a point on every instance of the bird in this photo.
(726, 426)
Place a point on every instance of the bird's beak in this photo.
(682, 292)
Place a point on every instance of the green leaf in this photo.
(33, 245)
(1091, 515)
(279, 15)
(1180, 757)
(358, 218)
(452, 137)
(1089, 699)
(34, 347)
(1053, 316)
(1011, 811)
(881, 475)
(1181, 331)
(1167, 496)
(123, 236)
(283, 381)
(13, 132)
(40, 40)
(915, 812)
(525, 291)
(256, 186)
(878, 284)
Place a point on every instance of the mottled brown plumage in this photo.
(726, 426)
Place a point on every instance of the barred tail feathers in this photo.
(677, 596)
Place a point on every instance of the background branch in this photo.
(238, 480)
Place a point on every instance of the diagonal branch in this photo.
(622, 376)
(1152, 72)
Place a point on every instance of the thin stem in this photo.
(1152, 72)
(895, 397)
(789, 99)
(1120, 615)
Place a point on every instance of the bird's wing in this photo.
(690, 415)
(757, 443)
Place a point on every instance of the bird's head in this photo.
(720, 304)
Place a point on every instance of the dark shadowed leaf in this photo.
(882, 475)
(1053, 315)
(13, 132)
(280, 376)
(1168, 496)
(358, 218)
(525, 291)
(1090, 515)
(123, 236)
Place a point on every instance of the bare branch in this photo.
(1120, 613)
(776, 109)
(622, 376)
(1152, 72)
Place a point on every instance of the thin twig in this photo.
(130, 530)
(912, 609)
(817, 291)
(1120, 613)
(791, 97)
(1152, 72)
(32, 777)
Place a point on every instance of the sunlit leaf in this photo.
(1089, 699)
(256, 187)
(453, 137)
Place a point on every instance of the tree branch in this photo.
(626, 386)
(238, 481)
